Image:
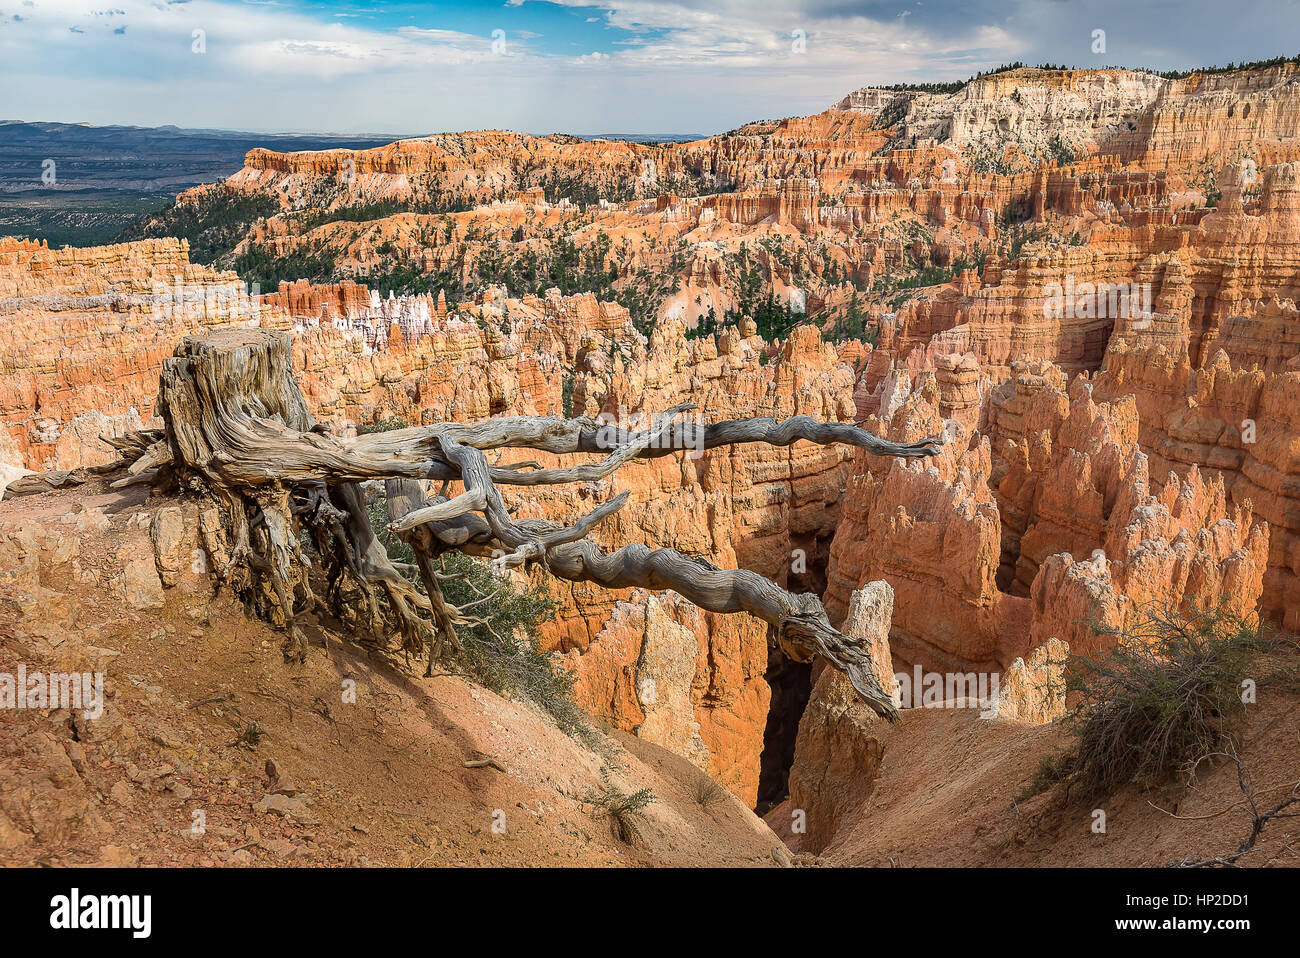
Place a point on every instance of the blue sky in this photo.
(549, 29)
(632, 66)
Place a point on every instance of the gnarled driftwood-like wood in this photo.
(239, 431)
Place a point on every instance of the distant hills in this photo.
(104, 177)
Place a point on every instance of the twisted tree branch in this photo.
(237, 426)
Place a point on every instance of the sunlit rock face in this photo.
(90, 328)
(1201, 381)
(1049, 527)
(1138, 117)
(85, 333)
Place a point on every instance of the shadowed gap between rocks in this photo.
(790, 681)
(791, 684)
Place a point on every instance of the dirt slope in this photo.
(945, 795)
(378, 781)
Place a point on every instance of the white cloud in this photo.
(670, 67)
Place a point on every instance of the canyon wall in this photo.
(1201, 358)
(1141, 117)
(84, 334)
(769, 509)
(1239, 425)
(88, 330)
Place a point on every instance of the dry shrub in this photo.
(1163, 697)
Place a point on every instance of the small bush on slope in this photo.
(706, 791)
(499, 650)
(624, 811)
(1165, 696)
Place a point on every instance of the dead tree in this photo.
(293, 520)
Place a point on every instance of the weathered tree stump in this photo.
(238, 430)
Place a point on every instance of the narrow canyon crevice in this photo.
(791, 684)
(809, 557)
(791, 681)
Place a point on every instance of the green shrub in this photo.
(624, 811)
(1060, 151)
(706, 791)
(258, 264)
(1051, 769)
(566, 394)
(501, 651)
(383, 424)
(249, 735)
(214, 223)
(499, 648)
